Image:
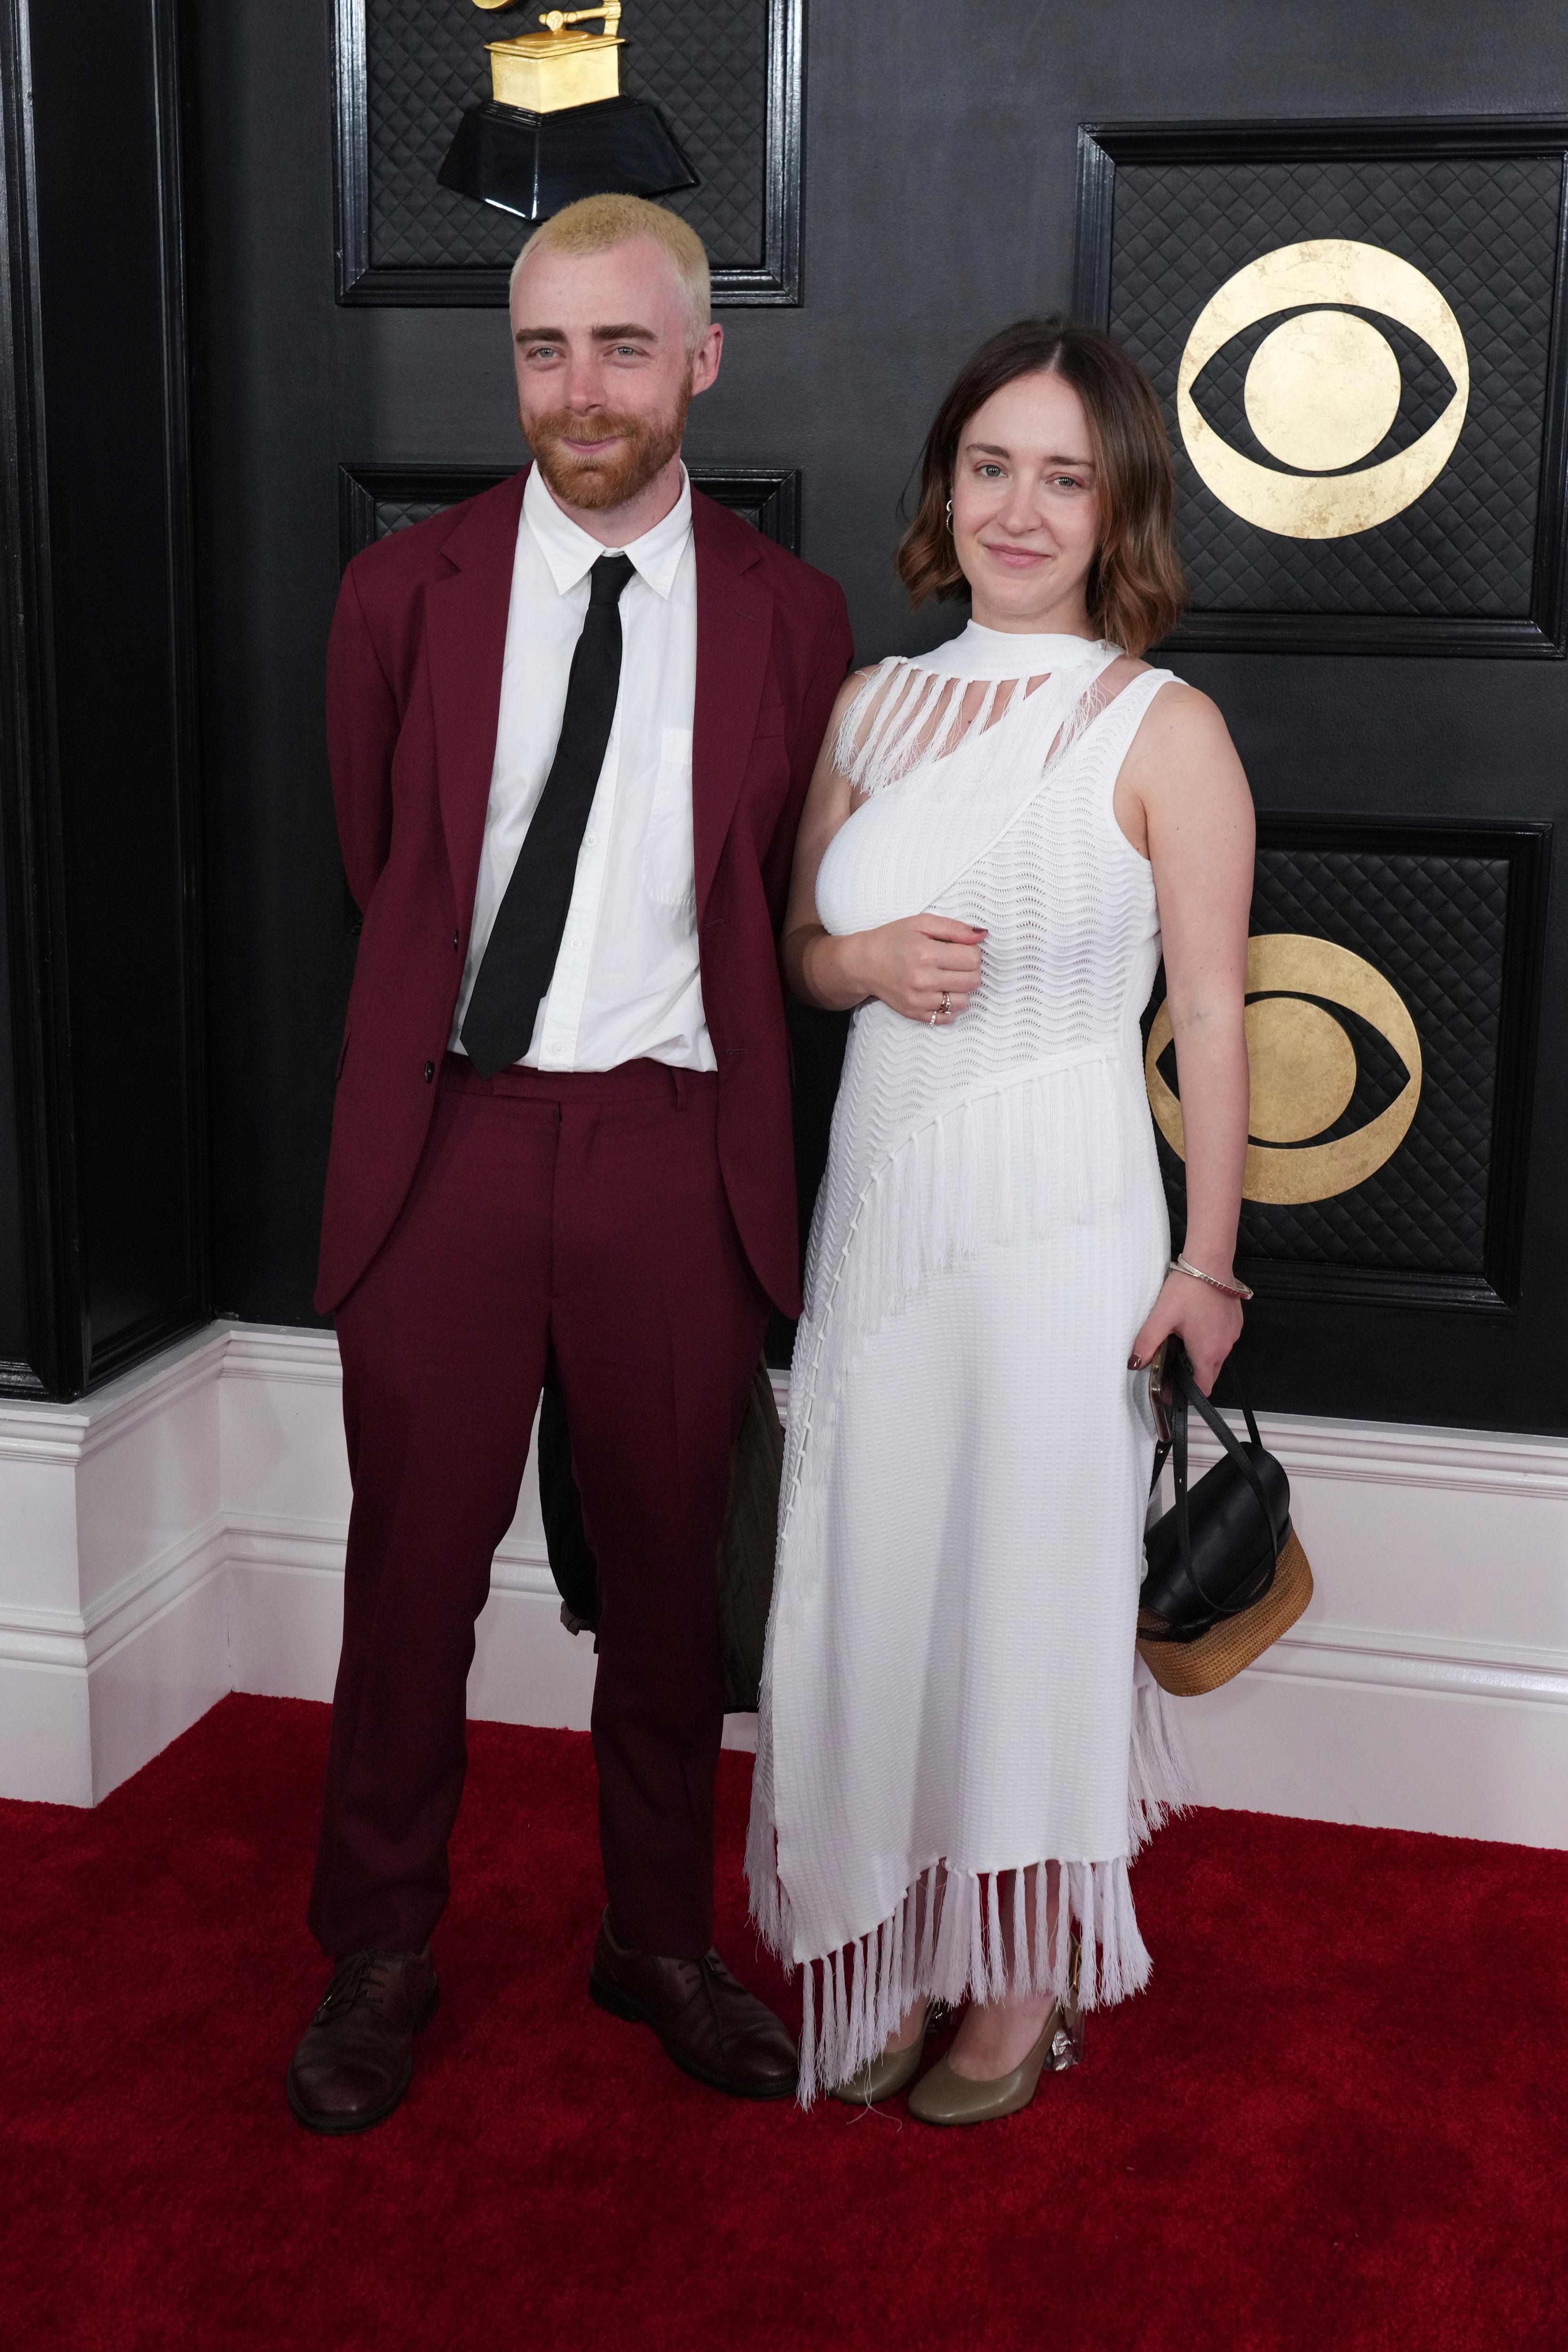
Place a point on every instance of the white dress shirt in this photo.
(626, 982)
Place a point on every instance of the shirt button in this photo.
(429, 1072)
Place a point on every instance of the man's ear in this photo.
(705, 358)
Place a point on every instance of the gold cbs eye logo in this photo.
(1323, 390)
(1303, 1065)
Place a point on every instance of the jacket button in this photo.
(429, 1072)
(453, 942)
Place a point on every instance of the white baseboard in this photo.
(1387, 1753)
(46, 1733)
(285, 1607)
(181, 1533)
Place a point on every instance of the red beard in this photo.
(642, 446)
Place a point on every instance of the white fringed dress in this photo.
(953, 1711)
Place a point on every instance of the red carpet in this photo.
(1336, 2118)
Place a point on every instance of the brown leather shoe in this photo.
(356, 2058)
(711, 2026)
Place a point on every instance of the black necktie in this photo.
(520, 957)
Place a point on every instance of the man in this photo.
(572, 724)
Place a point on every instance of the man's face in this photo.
(606, 368)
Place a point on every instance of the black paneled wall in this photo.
(103, 1174)
(937, 199)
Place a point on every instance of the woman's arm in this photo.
(1184, 790)
(910, 965)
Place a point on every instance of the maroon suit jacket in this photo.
(414, 673)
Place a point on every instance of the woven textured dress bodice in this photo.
(1011, 830)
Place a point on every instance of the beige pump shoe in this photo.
(947, 2097)
(882, 2078)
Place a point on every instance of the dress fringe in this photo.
(854, 1999)
(1159, 1779)
(947, 1940)
(907, 717)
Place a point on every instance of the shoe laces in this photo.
(358, 1979)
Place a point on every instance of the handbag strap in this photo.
(1188, 1392)
(1221, 1428)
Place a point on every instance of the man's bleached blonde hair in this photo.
(595, 224)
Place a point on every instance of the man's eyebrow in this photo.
(630, 332)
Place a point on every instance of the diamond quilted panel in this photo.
(399, 514)
(1485, 231)
(1434, 926)
(706, 67)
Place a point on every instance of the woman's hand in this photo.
(911, 965)
(1205, 1321)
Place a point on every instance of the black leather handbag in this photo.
(1225, 1574)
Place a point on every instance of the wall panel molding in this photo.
(773, 278)
(37, 1138)
(1386, 146)
(376, 499)
(1452, 917)
(103, 1180)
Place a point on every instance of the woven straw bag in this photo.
(1225, 1574)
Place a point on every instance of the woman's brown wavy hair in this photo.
(1135, 591)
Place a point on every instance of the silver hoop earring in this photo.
(949, 514)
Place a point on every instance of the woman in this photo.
(957, 1747)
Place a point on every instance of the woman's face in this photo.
(1026, 507)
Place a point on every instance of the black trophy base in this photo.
(533, 164)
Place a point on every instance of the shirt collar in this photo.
(571, 553)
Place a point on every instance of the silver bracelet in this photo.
(1231, 1289)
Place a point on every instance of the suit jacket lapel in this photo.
(734, 630)
(466, 622)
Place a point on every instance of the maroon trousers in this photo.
(584, 1212)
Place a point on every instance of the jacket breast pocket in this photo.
(668, 863)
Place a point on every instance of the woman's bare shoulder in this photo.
(1180, 718)
(1118, 674)
(1175, 693)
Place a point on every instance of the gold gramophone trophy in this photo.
(557, 127)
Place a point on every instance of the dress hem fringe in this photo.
(945, 1940)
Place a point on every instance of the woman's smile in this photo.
(1016, 559)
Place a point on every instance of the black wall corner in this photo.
(103, 1206)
